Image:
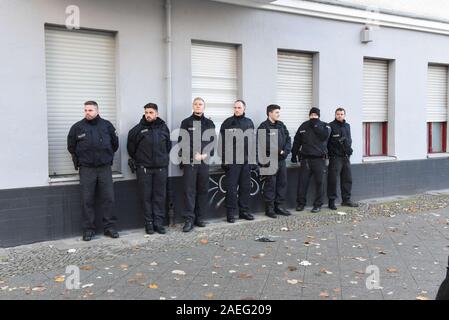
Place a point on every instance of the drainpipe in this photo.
(168, 71)
(169, 100)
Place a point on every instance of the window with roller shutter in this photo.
(215, 78)
(80, 66)
(375, 107)
(436, 108)
(294, 88)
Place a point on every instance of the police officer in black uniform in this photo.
(275, 185)
(340, 151)
(310, 146)
(92, 143)
(237, 162)
(149, 147)
(195, 154)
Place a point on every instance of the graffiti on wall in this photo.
(217, 191)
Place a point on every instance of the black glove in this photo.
(75, 162)
(284, 155)
(348, 151)
(132, 165)
(344, 143)
(342, 140)
(264, 165)
(294, 159)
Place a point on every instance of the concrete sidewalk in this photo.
(314, 256)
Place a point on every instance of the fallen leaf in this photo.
(325, 271)
(324, 294)
(87, 268)
(39, 289)
(382, 252)
(294, 281)
(292, 268)
(392, 270)
(179, 272)
(209, 295)
(153, 286)
(245, 276)
(204, 241)
(360, 259)
(123, 266)
(436, 214)
(422, 298)
(60, 279)
(264, 239)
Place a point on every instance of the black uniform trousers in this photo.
(275, 186)
(196, 189)
(238, 188)
(96, 183)
(339, 167)
(311, 167)
(152, 184)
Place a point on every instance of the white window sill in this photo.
(74, 179)
(376, 159)
(437, 155)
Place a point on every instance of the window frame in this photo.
(443, 138)
(367, 142)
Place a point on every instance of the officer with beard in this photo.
(149, 147)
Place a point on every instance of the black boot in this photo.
(200, 223)
(349, 203)
(281, 211)
(332, 205)
(188, 226)
(246, 216)
(88, 235)
(316, 209)
(149, 228)
(230, 217)
(160, 229)
(269, 210)
(111, 233)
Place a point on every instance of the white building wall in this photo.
(141, 65)
(140, 75)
